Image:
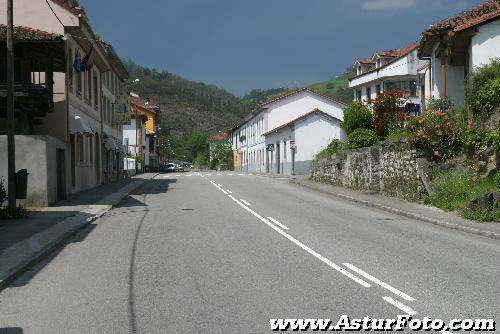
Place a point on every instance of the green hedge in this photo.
(357, 116)
(362, 138)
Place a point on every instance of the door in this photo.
(73, 160)
(98, 158)
(278, 158)
(61, 173)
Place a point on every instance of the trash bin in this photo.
(22, 184)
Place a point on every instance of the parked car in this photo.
(169, 168)
(180, 168)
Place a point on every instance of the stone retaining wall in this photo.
(389, 168)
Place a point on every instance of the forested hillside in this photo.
(337, 86)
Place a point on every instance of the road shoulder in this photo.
(416, 211)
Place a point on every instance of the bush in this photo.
(362, 138)
(484, 82)
(357, 116)
(439, 104)
(454, 190)
(487, 97)
(388, 112)
(13, 212)
(477, 141)
(436, 135)
(336, 146)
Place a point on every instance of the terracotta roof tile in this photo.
(367, 61)
(396, 55)
(485, 12)
(72, 6)
(221, 136)
(29, 34)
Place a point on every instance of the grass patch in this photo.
(454, 190)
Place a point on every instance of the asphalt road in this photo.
(225, 253)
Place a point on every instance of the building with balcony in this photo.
(389, 70)
(458, 45)
(82, 98)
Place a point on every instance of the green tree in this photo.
(221, 156)
(197, 143)
(357, 116)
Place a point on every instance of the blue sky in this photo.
(244, 44)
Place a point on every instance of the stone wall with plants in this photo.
(448, 157)
(390, 168)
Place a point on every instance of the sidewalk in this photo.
(421, 212)
(25, 242)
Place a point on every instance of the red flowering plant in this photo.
(436, 134)
(388, 112)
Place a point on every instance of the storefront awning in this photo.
(79, 125)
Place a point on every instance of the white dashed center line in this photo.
(246, 203)
(379, 282)
(401, 306)
(277, 223)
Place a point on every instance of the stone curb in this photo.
(18, 270)
(439, 222)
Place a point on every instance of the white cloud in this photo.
(388, 4)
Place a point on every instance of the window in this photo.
(358, 95)
(368, 95)
(88, 87)
(96, 92)
(81, 153)
(409, 87)
(70, 69)
(91, 150)
(377, 90)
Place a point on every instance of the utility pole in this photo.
(11, 122)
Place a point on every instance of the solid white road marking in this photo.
(229, 191)
(241, 174)
(219, 174)
(379, 282)
(178, 175)
(401, 306)
(246, 203)
(277, 223)
(189, 175)
(304, 247)
(208, 174)
(213, 182)
(220, 185)
(230, 174)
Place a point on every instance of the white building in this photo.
(256, 145)
(456, 46)
(291, 148)
(387, 70)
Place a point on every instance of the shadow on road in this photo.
(11, 330)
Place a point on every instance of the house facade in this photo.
(291, 148)
(458, 45)
(141, 135)
(256, 146)
(82, 115)
(388, 70)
